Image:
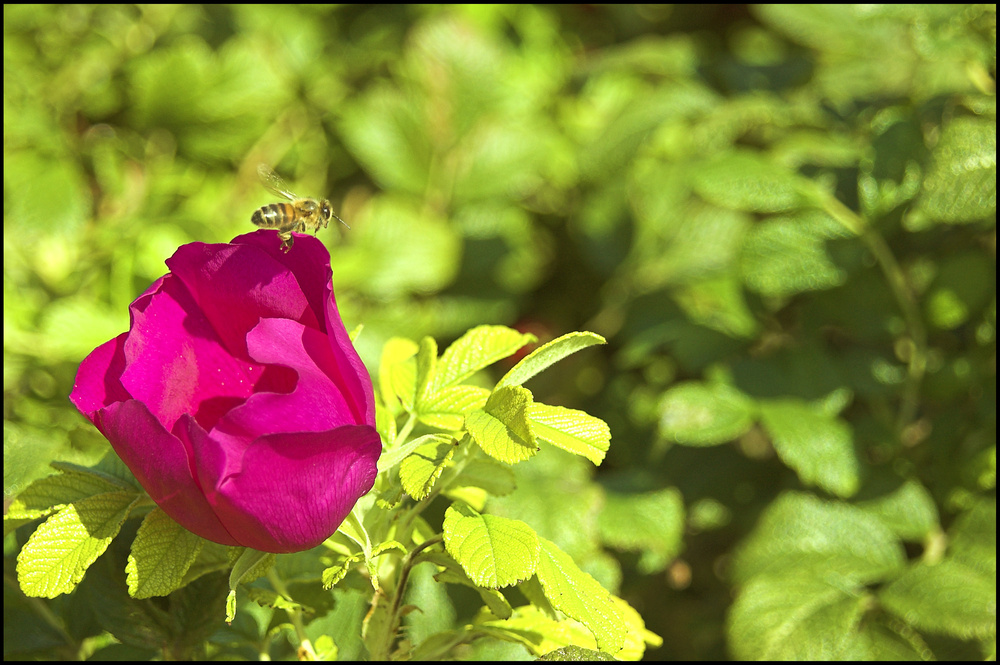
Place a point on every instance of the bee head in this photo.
(325, 212)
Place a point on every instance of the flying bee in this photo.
(299, 215)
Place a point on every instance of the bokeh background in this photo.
(781, 218)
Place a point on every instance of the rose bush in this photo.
(236, 397)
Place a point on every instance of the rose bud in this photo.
(236, 397)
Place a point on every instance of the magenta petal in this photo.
(175, 363)
(98, 379)
(351, 372)
(312, 482)
(162, 464)
(308, 260)
(317, 403)
(235, 285)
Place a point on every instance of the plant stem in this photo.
(916, 355)
(295, 615)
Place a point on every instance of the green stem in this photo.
(916, 355)
(405, 430)
(306, 651)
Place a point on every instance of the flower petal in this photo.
(308, 260)
(317, 403)
(162, 464)
(175, 363)
(236, 285)
(352, 375)
(97, 381)
(332, 470)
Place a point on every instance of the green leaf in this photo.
(454, 574)
(52, 493)
(800, 532)
(501, 428)
(696, 414)
(948, 597)
(637, 636)
(394, 456)
(383, 122)
(415, 233)
(397, 372)
(493, 551)
(493, 477)
(974, 537)
(548, 354)
(746, 180)
(538, 632)
(273, 600)
(353, 528)
(161, 555)
(334, 574)
(963, 287)
(249, 565)
(799, 616)
(579, 596)
(575, 654)
(652, 523)
(476, 349)
(326, 649)
(818, 446)
(909, 511)
(786, 255)
(419, 471)
(426, 364)
(574, 431)
(377, 551)
(111, 468)
(447, 408)
(962, 184)
(58, 553)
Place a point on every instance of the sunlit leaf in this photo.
(161, 555)
(493, 551)
(502, 427)
(58, 553)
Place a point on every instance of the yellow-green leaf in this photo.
(419, 471)
(58, 553)
(501, 427)
(578, 595)
(493, 551)
(161, 554)
(574, 431)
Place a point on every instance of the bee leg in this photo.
(286, 240)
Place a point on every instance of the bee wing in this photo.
(273, 182)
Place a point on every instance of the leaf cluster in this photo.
(458, 441)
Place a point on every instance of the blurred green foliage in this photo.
(781, 217)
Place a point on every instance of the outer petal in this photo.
(331, 471)
(162, 464)
(97, 381)
(351, 374)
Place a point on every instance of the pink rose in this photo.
(236, 397)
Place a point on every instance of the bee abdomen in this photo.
(273, 215)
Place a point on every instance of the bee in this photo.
(299, 215)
